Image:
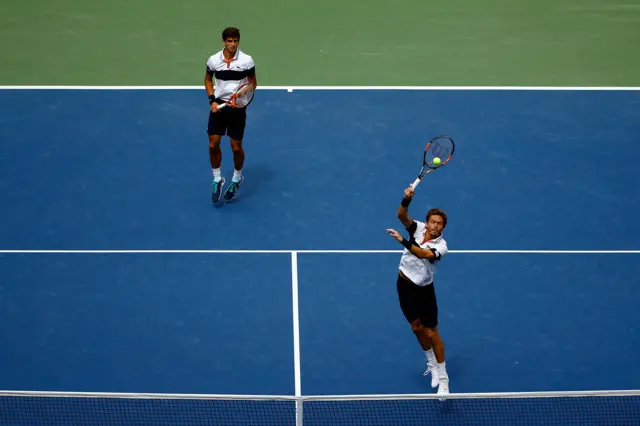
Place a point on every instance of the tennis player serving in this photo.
(416, 292)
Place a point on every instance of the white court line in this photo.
(310, 251)
(296, 336)
(296, 322)
(416, 88)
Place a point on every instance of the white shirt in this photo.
(422, 271)
(229, 75)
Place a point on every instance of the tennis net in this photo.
(557, 408)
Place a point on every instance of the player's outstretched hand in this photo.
(395, 234)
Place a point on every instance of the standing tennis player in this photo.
(416, 292)
(230, 68)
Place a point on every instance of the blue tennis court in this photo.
(97, 171)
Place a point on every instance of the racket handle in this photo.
(222, 106)
(415, 183)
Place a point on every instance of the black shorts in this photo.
(227, 121)
(418, 302)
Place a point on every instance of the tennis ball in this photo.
(436, 161)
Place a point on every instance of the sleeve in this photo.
(416, 230)
(411, 229)
(251, 67)
(440, 249)
(210, 67)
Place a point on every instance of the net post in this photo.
(299, 411)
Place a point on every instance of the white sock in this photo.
(442, 369)
(237, 175)
(431, 357)
(216, 175)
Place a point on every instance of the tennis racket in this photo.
(241, 98)
(441, 147)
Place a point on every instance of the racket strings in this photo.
(441, 149)
(242, 97)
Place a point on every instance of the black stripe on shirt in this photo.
(233, 75)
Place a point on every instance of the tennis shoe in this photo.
(435, 376)
(233, 189)
(216, 190)
(443, 388)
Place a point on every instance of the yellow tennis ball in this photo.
(436, 161)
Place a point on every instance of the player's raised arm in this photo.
(403, 210)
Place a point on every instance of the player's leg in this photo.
(216, 128)
(441, 368)
(423, 339)
(215, 155)
(411, 303)
(429, 319)
(237, 122)
(423, 302)
(436, 342)
(238, 159)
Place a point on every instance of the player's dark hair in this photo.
(231, 32)
(438, 212)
